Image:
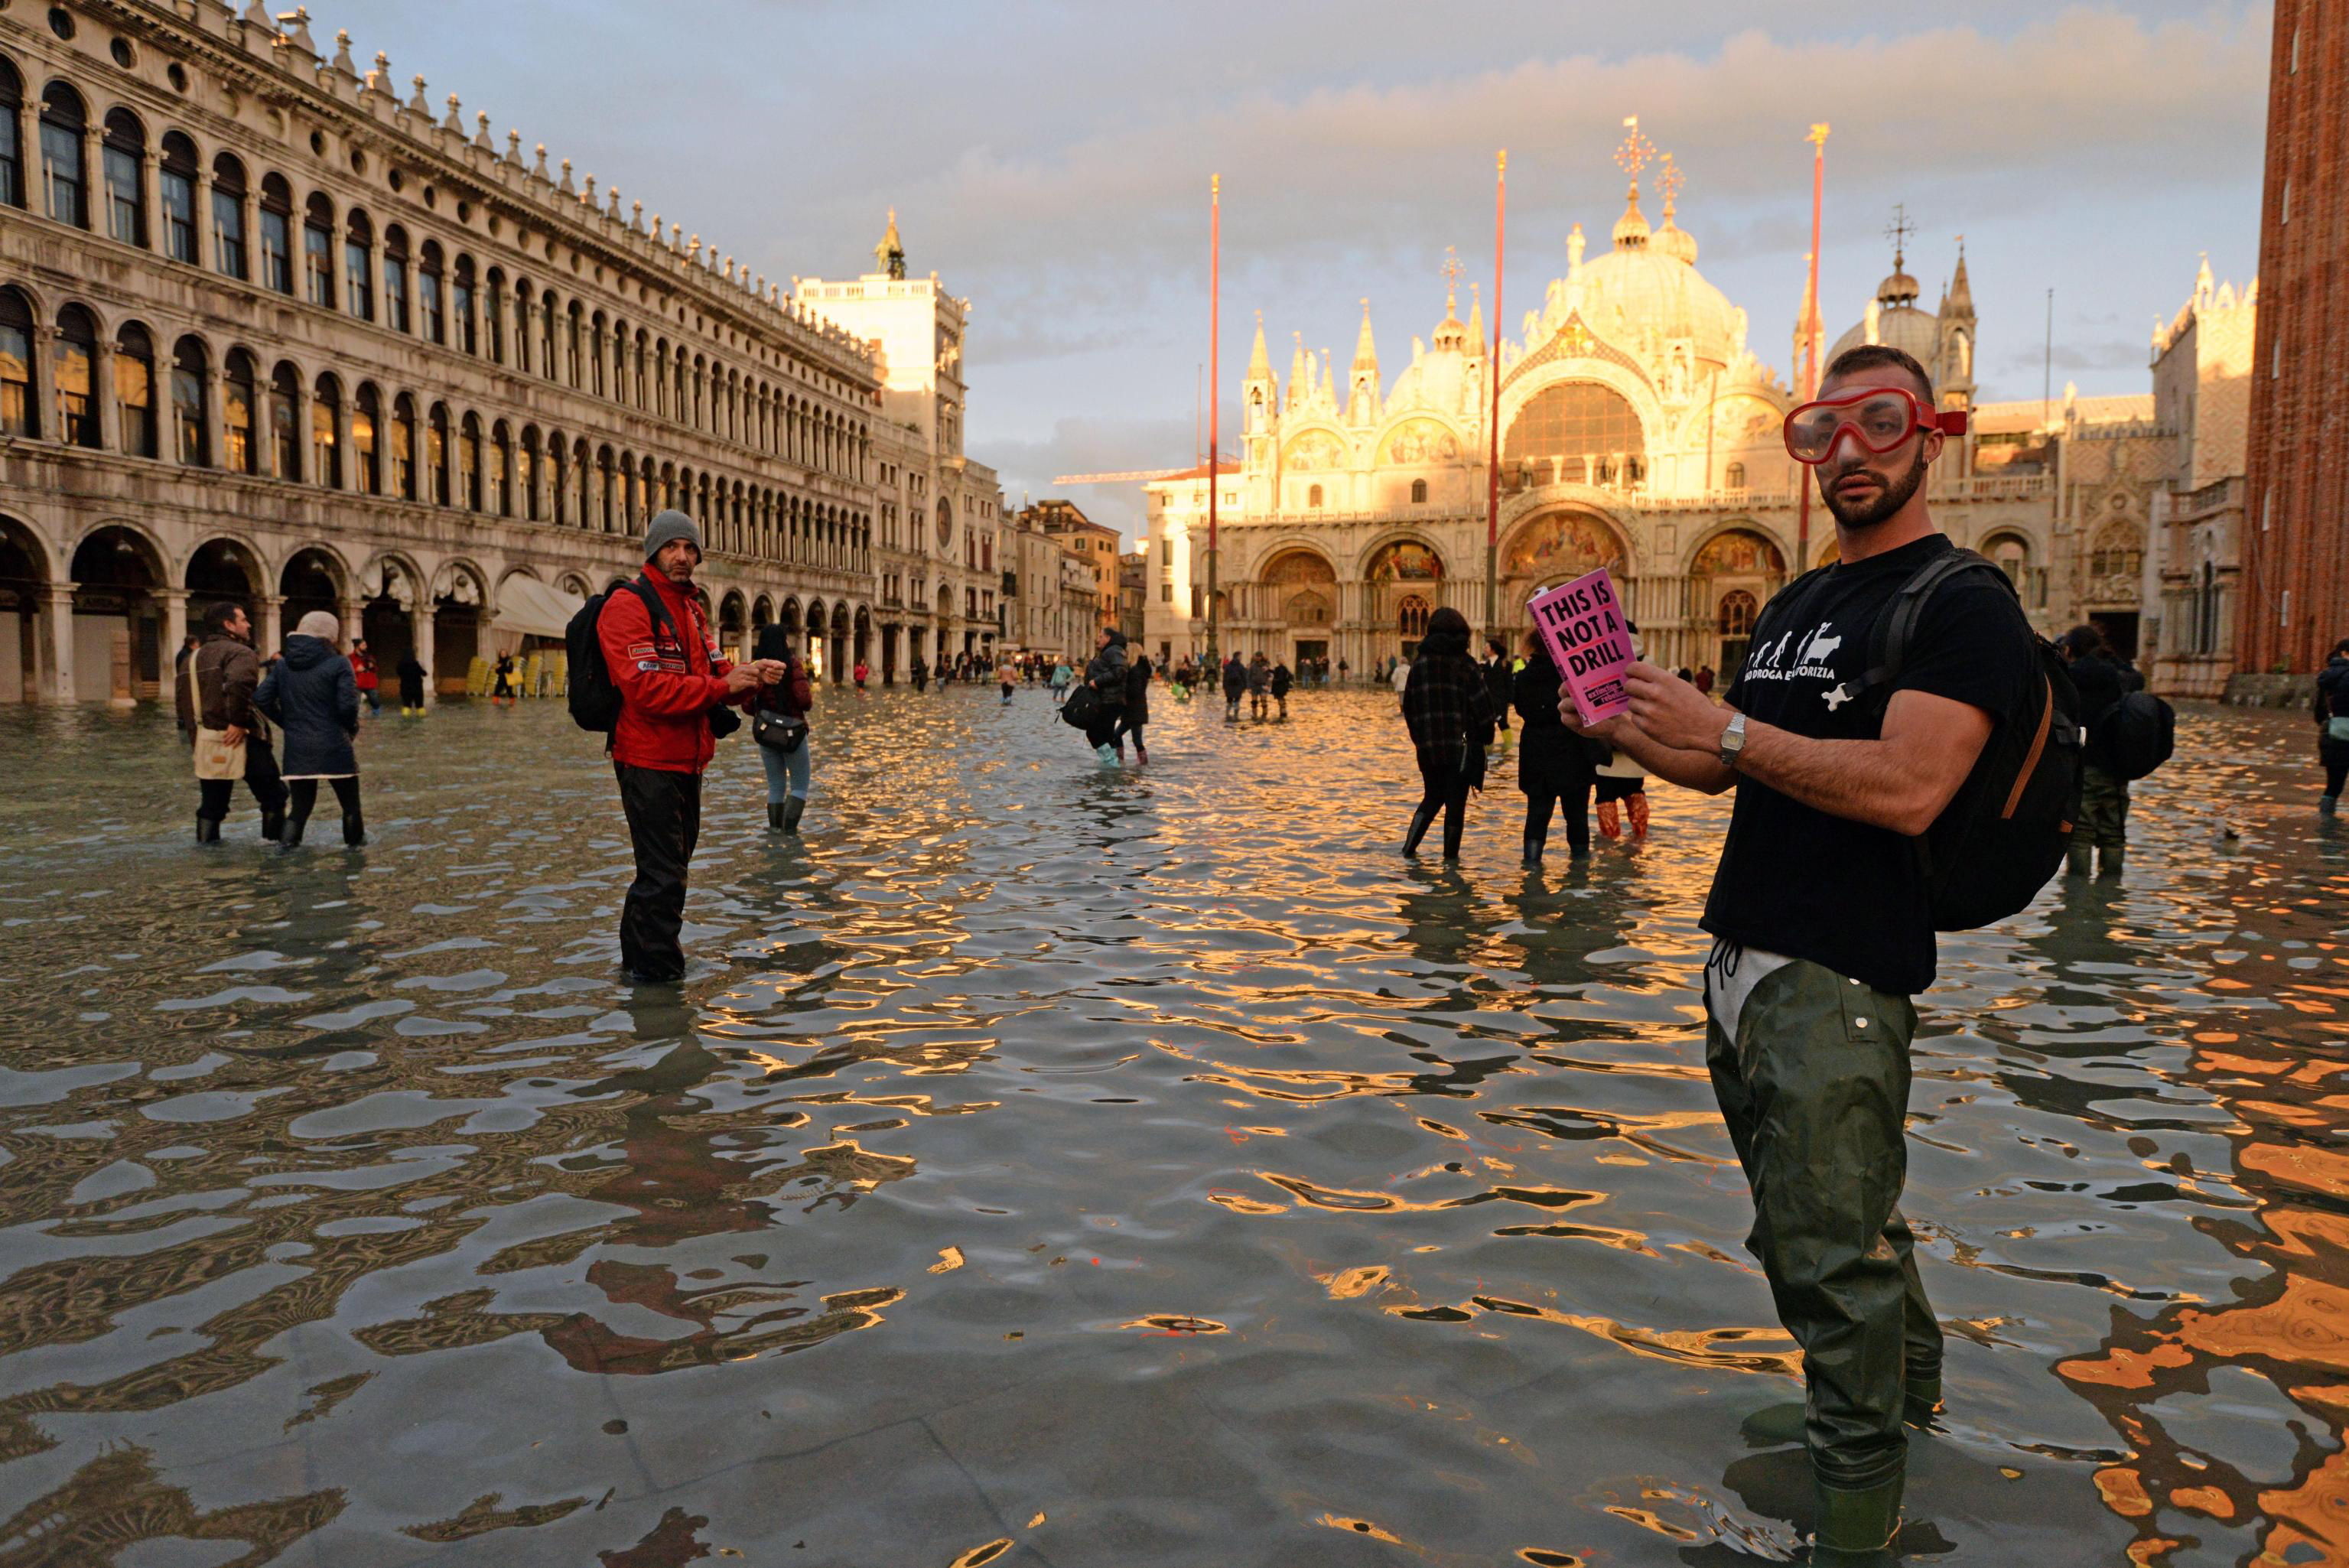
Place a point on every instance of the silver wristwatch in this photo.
(1732, 740)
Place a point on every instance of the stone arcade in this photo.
(271, 331)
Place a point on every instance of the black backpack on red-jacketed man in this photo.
(595, 696)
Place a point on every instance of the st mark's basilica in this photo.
(1641, 432)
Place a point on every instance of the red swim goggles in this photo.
(1878, 418)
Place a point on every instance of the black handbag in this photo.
(777, 732)
(1083, 706)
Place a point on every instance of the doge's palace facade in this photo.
(271, 330)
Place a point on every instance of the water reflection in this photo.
(1152, 1167)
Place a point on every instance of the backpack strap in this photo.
(660, 612)
(1898, 624)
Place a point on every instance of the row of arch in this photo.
(70, 379)
(119, 574)
(339, 261)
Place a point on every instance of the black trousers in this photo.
(305, 796)
(260, 777)
(1104, 729)
(1442, 783)
(2335, 755)
(664, 811)
(1576, 798)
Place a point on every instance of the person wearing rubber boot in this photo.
(2103, 831)
(789, 773)
(1820, 912)
(1447, 706)
(231, 736)
(671, 679)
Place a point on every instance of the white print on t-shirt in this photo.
(1809, 659)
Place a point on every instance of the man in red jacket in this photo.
(671, 679)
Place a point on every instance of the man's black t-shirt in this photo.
(1794, 880)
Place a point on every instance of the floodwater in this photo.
(1049, 1165)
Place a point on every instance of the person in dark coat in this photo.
(315, 699)
(2101, 678)
(1105, 673)
(789, 774)
(225, 674)
(1448, 705)
(1281, 681)
(1555, 766)
(1236, 685)
(1498, 680)
(411, 686)
(1138, 676)
(2331, 711)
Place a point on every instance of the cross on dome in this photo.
(1635, 151)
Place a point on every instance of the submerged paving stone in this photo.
(1047, 1162)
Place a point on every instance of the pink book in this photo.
(1583, 623)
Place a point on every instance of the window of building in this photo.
(124, 156)
(1313, 498)
(326, 446)
(1734, 478)
(12, 152)
(395, 278)
(18, 408)
(1419, 492)
(1410, 615)
(70, 372)
(493, 315)
(359, 265)
(276, 234)
(367, 461)
(318, 250)
(176, 191)
(64, 182)
(401, 436)
(228, 216)
(500, 471)
(188, 402)
(240, 451)
(1736, 616)
(526, 473)
(461, 306)
(1574, 420)
(431, 311)
(468, 462)
(570, 346)
(134, 391)
(284, 436)
(546, 335)
(436, 453)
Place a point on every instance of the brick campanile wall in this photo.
(2296, 603)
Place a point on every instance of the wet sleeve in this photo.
(347, 698)
(265, 697)
(1972, 646)
(626, 631)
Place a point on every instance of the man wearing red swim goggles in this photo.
(1821, 913)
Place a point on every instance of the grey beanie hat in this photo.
(667, 526)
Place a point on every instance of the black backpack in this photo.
(2139, 732)
(595, 696)
(2005, 832)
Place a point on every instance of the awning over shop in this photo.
(531, 607)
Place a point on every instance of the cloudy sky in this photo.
(1049, 161)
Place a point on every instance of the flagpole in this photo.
(1493, 421)
(1810, 387)
(1215, 387)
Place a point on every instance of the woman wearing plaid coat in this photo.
(1449, 707)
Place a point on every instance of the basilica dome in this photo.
(1642, 288)
(1894, 319)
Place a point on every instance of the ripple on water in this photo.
(1138, 1166)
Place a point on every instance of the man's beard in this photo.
(1890, 498)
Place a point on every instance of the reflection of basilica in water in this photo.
(1638, 432)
